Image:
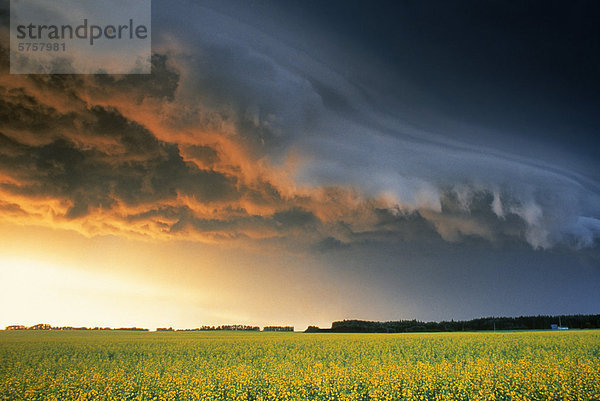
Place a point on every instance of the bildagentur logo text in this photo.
(85, 31)
(80, 37)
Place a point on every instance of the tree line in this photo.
(229, 327)
(45, 326)
(540, 322)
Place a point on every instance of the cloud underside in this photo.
(168, 155)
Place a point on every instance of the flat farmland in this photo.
(116, 365)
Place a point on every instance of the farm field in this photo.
(113, 365)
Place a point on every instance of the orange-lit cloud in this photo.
(104, 155)
(163, 156)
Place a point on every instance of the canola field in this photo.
(296, 366)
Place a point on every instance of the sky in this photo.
(297, 163)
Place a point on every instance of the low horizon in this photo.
(252, 327)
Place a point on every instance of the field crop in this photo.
(296, 366)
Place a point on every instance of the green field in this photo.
(114, 365)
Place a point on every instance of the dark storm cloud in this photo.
(68, 143)
(295, 218)
(457, 221)
(133, 137)
(205, 154)
(525, 70)
(92, 156)
(244, 124)
(394, 96)
(93, 179)
(292, 224)
(22, 112)
(268, 103)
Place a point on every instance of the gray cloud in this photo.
(287, 101)
(92, 156)
(79, 139)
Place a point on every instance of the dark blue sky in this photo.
(518, 72)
